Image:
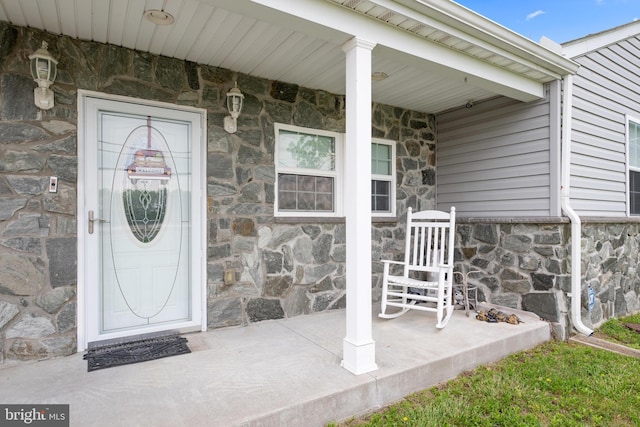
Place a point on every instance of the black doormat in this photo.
(135, 352)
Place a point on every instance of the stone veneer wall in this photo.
(527, 266)
(610, 267)
(278, 268)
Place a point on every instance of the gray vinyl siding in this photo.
(606, 89)
(497, 159)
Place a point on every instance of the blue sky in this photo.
(559, 20)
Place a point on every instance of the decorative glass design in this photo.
(145, 193)
(145, 209)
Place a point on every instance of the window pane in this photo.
(324, 184)
(306, 201)
(306, 183)
(307, 193)
(634, 193)
(287, 182)
(380, 196)
(324, 191)
(306, 151)
(380, 159)
(324, 202)
(287, 200)
(634, 144)
(381, 204)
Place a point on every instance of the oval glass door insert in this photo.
(146, 230)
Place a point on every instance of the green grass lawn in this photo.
(614, 330)
(554, 384)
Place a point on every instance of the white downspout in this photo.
(576, 224)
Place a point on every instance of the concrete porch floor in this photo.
(273, 373)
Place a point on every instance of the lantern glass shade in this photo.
(43, 66)
(235, 99)
(42, 69)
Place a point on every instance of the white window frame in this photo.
(389, 178)
(337, 174)
(636, 121)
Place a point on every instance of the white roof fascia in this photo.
(597, 41)
(476, 25)
(465, 36)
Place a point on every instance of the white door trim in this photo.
(198, 219)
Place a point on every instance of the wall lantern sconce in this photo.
(43, 70)
(235, 99)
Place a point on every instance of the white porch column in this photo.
(358, 354)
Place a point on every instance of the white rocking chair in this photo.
(427, 268)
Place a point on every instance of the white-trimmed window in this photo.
(310, 178)
(383, 177)
(308, 172)
(633, 137)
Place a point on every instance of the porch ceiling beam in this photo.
(335, 22)
(289, 14)
(466, 69)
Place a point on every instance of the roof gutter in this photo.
(576, 224)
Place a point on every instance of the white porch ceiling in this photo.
(299, 41)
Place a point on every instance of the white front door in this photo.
(143, 218)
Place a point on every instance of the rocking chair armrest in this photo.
(387, 265)
(388, 261)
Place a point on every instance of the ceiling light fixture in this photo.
(159, 17)
(377, 76)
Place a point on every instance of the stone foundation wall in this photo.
(274, 269)
(610, 267)
(527, 266)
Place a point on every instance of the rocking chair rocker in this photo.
(427, 272)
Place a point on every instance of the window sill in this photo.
(309, 220)
(328, 220)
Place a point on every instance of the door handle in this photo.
(92, 220)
